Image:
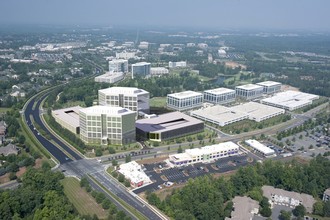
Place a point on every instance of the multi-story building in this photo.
(127, 97)
(125, 55)
(107, 125)
(185, 100)
(68, 118)
(119, 65)
(158, 71)
(249, 91)
(270, 87)
(140, 69)
(177, 64)
(219, 95)
(110, 77)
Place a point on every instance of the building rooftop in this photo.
(98, 110)
(134, 172)
(220, 91)
(9, 149)
(140, 64)
(123, 90)
(110, 75)
(249, 87)
(166, 122)
(69, 115)
(185, 94)
(220, 113)
(244, 208)
(269, 83)
(212, 148)
(327, 191)
(260, 147)
(256, 110)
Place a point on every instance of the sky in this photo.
(236, 14)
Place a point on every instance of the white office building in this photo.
(219, 96)
(134, 173)
(68, 118)
(127, 97)
(183, 101)
(270, 87)
(260, 148)
(258, 112)
(140, 69)
(158, 71)
(177, 64)
(219, 115)
(249, 91)
(290, 100)
(205, 154)
(125, 55)
(107, 125)
(119, 65)
(110, 77)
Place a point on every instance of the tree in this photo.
(128, 158)
(111, 150)
(121, 178)
(327, 209)
(180, 149)
(112, 209)
(285, 215)
(106, 204)
(299, 211)
(21, 139)
(318, 208)
(100, 197)
(98, 152)
(114, 163)
(265, 207)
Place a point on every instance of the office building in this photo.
(107, 125)
(158, 71)
(140, 69)
(119, 65)
(270, 87)
(110, 77)
(205, 154)
(219, 96)
(183, 101)
(168, 126)
(290, 100)
(249, 91)
(68, 118)
(219, 115)
(177, 64)
(260, 148)
(127, 97)
(134, 173)
(125, 55)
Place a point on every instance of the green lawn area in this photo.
(4, 110)
(158, 101)
(82, 201)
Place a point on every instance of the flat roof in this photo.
(99, 109)
(250, 87)
(219, 113)
(244, 208)
(260, 147)
(123, 90)
(110, 75)
(257, 110)
(69, 115)
(185, 94)
(212, 148)
(140, 64)
(269, 83)
(220, 91)
(291, 98)
(166, 122)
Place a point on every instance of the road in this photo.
(79, 166)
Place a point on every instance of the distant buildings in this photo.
(270, 87)
(68, 118)
(183, 101)
(290, 100)
(291, 199)
(168, 126)
(125, 55)
(205, 154)
(119, 65)
(110, 77)
(260, 148)
(244, 208)
(127, 97)
(158, 71)
(249, 91)
(134, 173)
(177, 64)
(140, 69)
(219, 96)
(107, 125)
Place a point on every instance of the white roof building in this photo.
(270, 86)
(219, 115)
(177, 64)
(249, 91)
(184, 100)
(110, 77)
(290, 100)
(134, 173)
(68, 118)
(158, 71)
(219, 95)
(264, 150)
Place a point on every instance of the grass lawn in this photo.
(158, 101)
(82, 201)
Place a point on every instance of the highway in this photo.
(82, 167)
